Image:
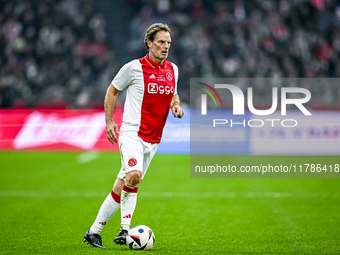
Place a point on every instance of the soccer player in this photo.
(151, 84)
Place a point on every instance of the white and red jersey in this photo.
(150, 88)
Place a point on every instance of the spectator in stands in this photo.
(53, 53)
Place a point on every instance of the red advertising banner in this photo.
(41, 129)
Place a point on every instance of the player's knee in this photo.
(133, 178)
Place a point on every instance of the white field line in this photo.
(86, 157)
(148, 194)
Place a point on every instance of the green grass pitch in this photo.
(49, 200)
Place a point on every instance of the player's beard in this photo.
(159, 56)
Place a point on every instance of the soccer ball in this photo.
(140, 237)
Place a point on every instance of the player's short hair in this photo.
(153, 30)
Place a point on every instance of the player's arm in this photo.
(176, 108)
(109, 103)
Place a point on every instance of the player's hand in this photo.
(177, 111)
(111, 130)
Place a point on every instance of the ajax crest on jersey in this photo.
(140, 237)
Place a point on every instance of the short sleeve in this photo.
(123, 77)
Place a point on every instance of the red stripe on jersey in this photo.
(130, 190)
(159, 88)
(115, 197)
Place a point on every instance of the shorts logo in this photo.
(132, 162)
(169, 76)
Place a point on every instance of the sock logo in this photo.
(102, 223)
(127, 216)
(132, 162)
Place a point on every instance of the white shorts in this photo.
(135, 153)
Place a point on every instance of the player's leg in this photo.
(129, 192)
(132, 164)
(129, 197)
(109, 207)
(129, 202)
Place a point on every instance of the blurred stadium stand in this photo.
(64, 53)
